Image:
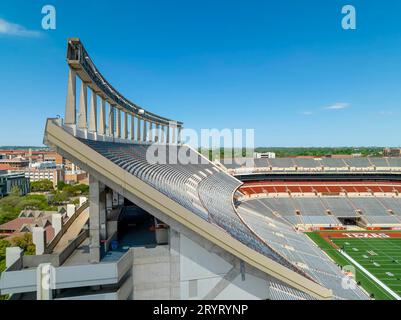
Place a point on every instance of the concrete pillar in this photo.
(70, 210)
(13, 254)
(162, 133)
(132, 127)
(118, 124)
(111, 120)
(168, 134)
(97, 218)
(125, 136)
(57, 222)
(179, 135)
(138, 129)
(157, 133)
(102, 117)
(150, 132)
(109, 200)
(173, 129)
(39, 239)
(93, 113)
(144, 130)
(70, 105)
(83, 107)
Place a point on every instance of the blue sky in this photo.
(285, 68)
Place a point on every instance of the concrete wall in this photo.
(209, 274)
(185, 269)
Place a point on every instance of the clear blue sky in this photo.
(285, 68)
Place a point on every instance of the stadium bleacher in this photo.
(208, 192)
(298, 249)
(315, 211)
(325, 164)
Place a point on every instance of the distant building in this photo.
(392, 152)
(26, 220)
(10, 180)
(44, 165)
(36, 174)
(264, 155)
(16, 163)
(72, 177)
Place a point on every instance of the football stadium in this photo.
(189, 227)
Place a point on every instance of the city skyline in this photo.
(293, 75)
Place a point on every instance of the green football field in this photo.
(381, 257)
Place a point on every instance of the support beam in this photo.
(150, 132)
(111, 120)
(132, 127)
(173, 131)
(118, 123)
(102, 117)
(138, 129)
(70, 105)
(179, 135)
(83, 107)
(125, 136)
(157, 133)
(168, 134)
(97, 218)
(144, 130)
(162, 133)
(93, 113)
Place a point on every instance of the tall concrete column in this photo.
(83, 107)
(150, 132)
(97, 218)
(111, 120)
(157, 133)
(93, 113)
(102, 117)
(70, 105)
(168, 134)
(138, 129)
(162, 133)
(125, 136)
(144, 130)
(173, 129)
(179, 135)
(118, 123)
(132, 127)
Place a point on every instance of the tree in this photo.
(3, 245)
(25, 243)
(15, 191)
(42, 186)
(61, 185)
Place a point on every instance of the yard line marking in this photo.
(391, 292)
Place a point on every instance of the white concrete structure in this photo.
(57, 223)
(39, 239)
(13, 254)
(70, 210)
